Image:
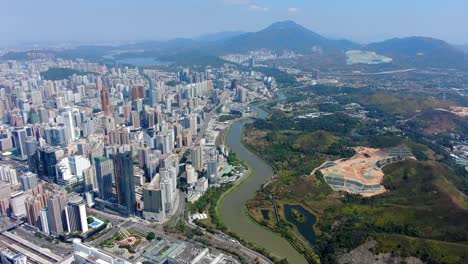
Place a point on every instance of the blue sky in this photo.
(124, 20)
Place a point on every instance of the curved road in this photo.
(227, 240)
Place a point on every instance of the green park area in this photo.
(423, 213)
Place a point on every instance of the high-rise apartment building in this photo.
(105, 99)
(19, 140)
(8, 174)
(48, 157)
(56, 136)
(76, 214)
(78, 164)
(28, 180)
(5, 194)
(104, 176)
(17, 204)
(69, 122)
(191, 174)
(154, 200)
(56, 212)
(124, 182)
(89, 179)
(138, 92)
(44, 221)
(212, 171)
(197, 158)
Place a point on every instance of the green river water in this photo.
(232, 208)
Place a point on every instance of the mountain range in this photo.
(279, 36)
(421, 52)
(287, 35)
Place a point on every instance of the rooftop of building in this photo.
(75, 200)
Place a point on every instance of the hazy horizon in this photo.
(86, 21)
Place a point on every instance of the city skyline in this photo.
(107, 21)
(280, 132)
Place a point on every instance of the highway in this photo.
(36, 253)
(31, 256)
(223, 98)
(218, 240)
(178, 216)
(224, 241)
(208, 116)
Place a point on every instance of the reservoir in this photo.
(232, 208)
(143, 61)
(136, 61)
(305, 227)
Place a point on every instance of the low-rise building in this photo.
(8, 256)
(89, 255)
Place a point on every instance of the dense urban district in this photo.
(252, 156)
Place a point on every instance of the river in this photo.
(232, 208)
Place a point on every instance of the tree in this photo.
(150, 236)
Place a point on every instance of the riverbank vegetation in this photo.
(298, 216)
(207, 203)
(234, 160)
(423, 203)
(224, 118)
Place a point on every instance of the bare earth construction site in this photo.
(362, 174)
(459, 111)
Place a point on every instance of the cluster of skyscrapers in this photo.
(52, 212)
(108, 140)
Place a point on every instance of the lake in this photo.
(136, 61)
(304, 227)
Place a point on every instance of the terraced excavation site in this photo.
(362, 174)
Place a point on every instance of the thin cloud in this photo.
(293, 9)
(237, 2)
(248, 4)
(258, 8)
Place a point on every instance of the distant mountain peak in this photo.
(281, 36)
(286, 24)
